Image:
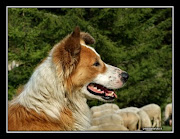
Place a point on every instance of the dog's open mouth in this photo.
(105, 93)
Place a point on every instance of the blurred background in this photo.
(137, 40)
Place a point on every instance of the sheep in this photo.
(131, 119)
(13, 64)
(168, 121)
(104, 107)
(109, 118)
(168, 110)
(102, 113)
(108, 127)
(168, 114)
(145, 121)
(154, 113)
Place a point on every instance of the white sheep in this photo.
(108, 118)
(168, 110)
(131, 119)
(168, 114)
(104, 107)
(108, 127)
(103, 112)
(145, 121)
(154, 113)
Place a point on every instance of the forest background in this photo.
(137, 40)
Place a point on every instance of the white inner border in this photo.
(89, 7)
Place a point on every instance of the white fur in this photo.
(111, 78)
(43, 92)
(91, 49)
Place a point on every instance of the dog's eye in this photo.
(96, 64)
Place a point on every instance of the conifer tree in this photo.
(137, 40)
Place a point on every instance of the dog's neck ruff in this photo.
(44, 92)
(81, 112)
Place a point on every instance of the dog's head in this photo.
(83, 70)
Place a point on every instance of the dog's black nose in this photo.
(124, 76)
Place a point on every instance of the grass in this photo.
(163, 128)
(166, 128)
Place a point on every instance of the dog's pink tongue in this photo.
(94, 89)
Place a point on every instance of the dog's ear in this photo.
(71, 57)
(66, 54)
(72, 44)
(86, 38)
(72, 48)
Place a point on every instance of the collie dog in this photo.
(55, 96)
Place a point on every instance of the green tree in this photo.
(137, 40)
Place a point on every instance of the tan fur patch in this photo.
(20, 119)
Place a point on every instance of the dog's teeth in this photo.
(99, 89)
(110, 93)
(95, 88)
(115, 95)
